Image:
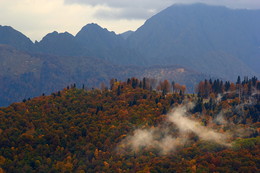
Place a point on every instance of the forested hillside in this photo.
(135, 126)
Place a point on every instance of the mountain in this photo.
(101, 43)
(213, 40)
(12, 37)
(210, 39)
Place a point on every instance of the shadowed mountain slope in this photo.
(12, 37)
(210, 39)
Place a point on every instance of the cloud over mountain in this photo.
(136, 9)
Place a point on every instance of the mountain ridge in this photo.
(190, 34)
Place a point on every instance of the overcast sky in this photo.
(36, 18)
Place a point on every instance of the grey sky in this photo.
(143, 9)
(36, 18)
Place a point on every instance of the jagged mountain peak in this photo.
(12, 37)
(93, 28)
(56, 35)
(58, 44)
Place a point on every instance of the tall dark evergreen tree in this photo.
(238, 80)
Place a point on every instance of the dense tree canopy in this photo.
(78, 130)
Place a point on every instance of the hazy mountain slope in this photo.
(18, 71)
(24, 75)
(14, 38)
(207, 38)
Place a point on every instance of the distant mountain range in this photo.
(201, 40)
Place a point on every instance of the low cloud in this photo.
(166, 139)
(220, 119)
(187, 125)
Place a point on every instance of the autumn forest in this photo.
(137, 125)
